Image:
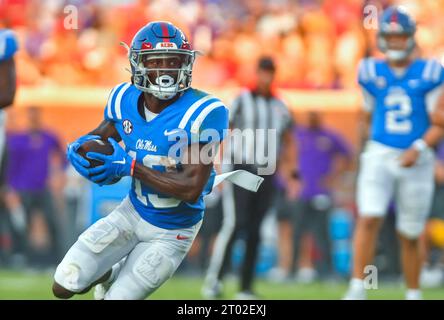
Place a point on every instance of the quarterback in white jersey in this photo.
(403, 107)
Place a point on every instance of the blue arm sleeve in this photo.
(110, 112)
(367, 75)
(8, 45)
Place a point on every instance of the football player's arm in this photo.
(431, 137)
(186, 184)
(435, 106)
(7, 83)
(437, 116)
(436, 131)
(368, 92)
(105, 130)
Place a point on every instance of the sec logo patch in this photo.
(127, 126)
(380, 82)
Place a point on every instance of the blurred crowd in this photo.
(316, 43)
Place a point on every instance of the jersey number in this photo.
(397, 120)
(157, 202)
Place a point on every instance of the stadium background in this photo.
(316, 45)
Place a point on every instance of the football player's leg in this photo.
(374, 191)
(375, 188)
(414, 200)
(151, 263)
(102, 287)
(90, 259)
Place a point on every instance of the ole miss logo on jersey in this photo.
(127, 126)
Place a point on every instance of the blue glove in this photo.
(116, 165)
(78, 162)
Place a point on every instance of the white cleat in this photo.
(101, 289)
(356, 290)
(355, 294)
(413, 295)
(99, 292)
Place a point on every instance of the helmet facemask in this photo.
(396, 54)
(162, 73)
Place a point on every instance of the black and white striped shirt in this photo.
(257, 113)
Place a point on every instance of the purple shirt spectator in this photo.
(317, 150)
(29, 156)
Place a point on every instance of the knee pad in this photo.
(77, 269)
(99, 236)
(68, 275)
(153, 268)
(146, 275)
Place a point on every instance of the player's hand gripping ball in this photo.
(78, 162)
(100, 147)
(113, 166)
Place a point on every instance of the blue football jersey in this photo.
(153, 143)
(8, 44)
(400, 103)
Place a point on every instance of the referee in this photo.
(255, 111)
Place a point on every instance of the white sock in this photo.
(413, 294)
(357, 284)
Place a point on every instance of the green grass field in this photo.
(16, 285)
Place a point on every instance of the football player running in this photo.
(164, 124)
(403, 107)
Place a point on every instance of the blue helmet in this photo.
(396, 21)
(161, 60)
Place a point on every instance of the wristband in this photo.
(133, 164)
(420, 145)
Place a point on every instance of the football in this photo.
(99, 146)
